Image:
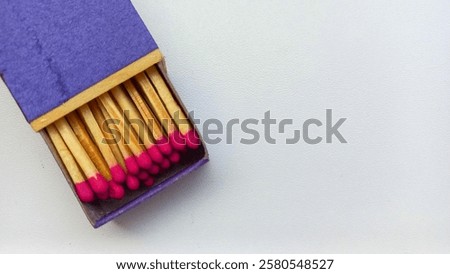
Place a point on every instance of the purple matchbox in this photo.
(57, 56)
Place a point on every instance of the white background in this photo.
(384, 65)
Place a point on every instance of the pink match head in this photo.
(154, 170)
(177, 141)
(144, 161)
(175, 158)
(132, 165)
(118, 174)
(165, 164)
(132, 182)
(98, 184)
(164, 146)
(142, 176)
(116, 191)
(149, 182)
(85, 192)
(192, 139)
(155, 154)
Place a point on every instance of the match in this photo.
(149, 119)
(133, 115)
(141, 154)
(95, 179)
(117, 172)
(82, 188)
(187, 131)
(115, 190)
(88, 144)
(159, 109)
(118, 175)
(124, 153)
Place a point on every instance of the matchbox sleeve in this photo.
(51, 51)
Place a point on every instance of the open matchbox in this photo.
(57, 56)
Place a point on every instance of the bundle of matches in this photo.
(154, 134)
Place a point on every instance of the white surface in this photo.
(385, 65)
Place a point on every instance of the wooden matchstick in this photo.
(185, 127)
(82, 187)
(125, 129)
(100, 119)
(117, 173)
(138, 123)
(145, 111)
(175, 137)
(149, 118)
(158, 134)
(89, 145)
(130, 160)
(122, 152)
(153, 125)
(95, 179)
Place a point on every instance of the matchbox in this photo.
(89, 77)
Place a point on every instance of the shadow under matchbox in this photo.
(90, 78)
